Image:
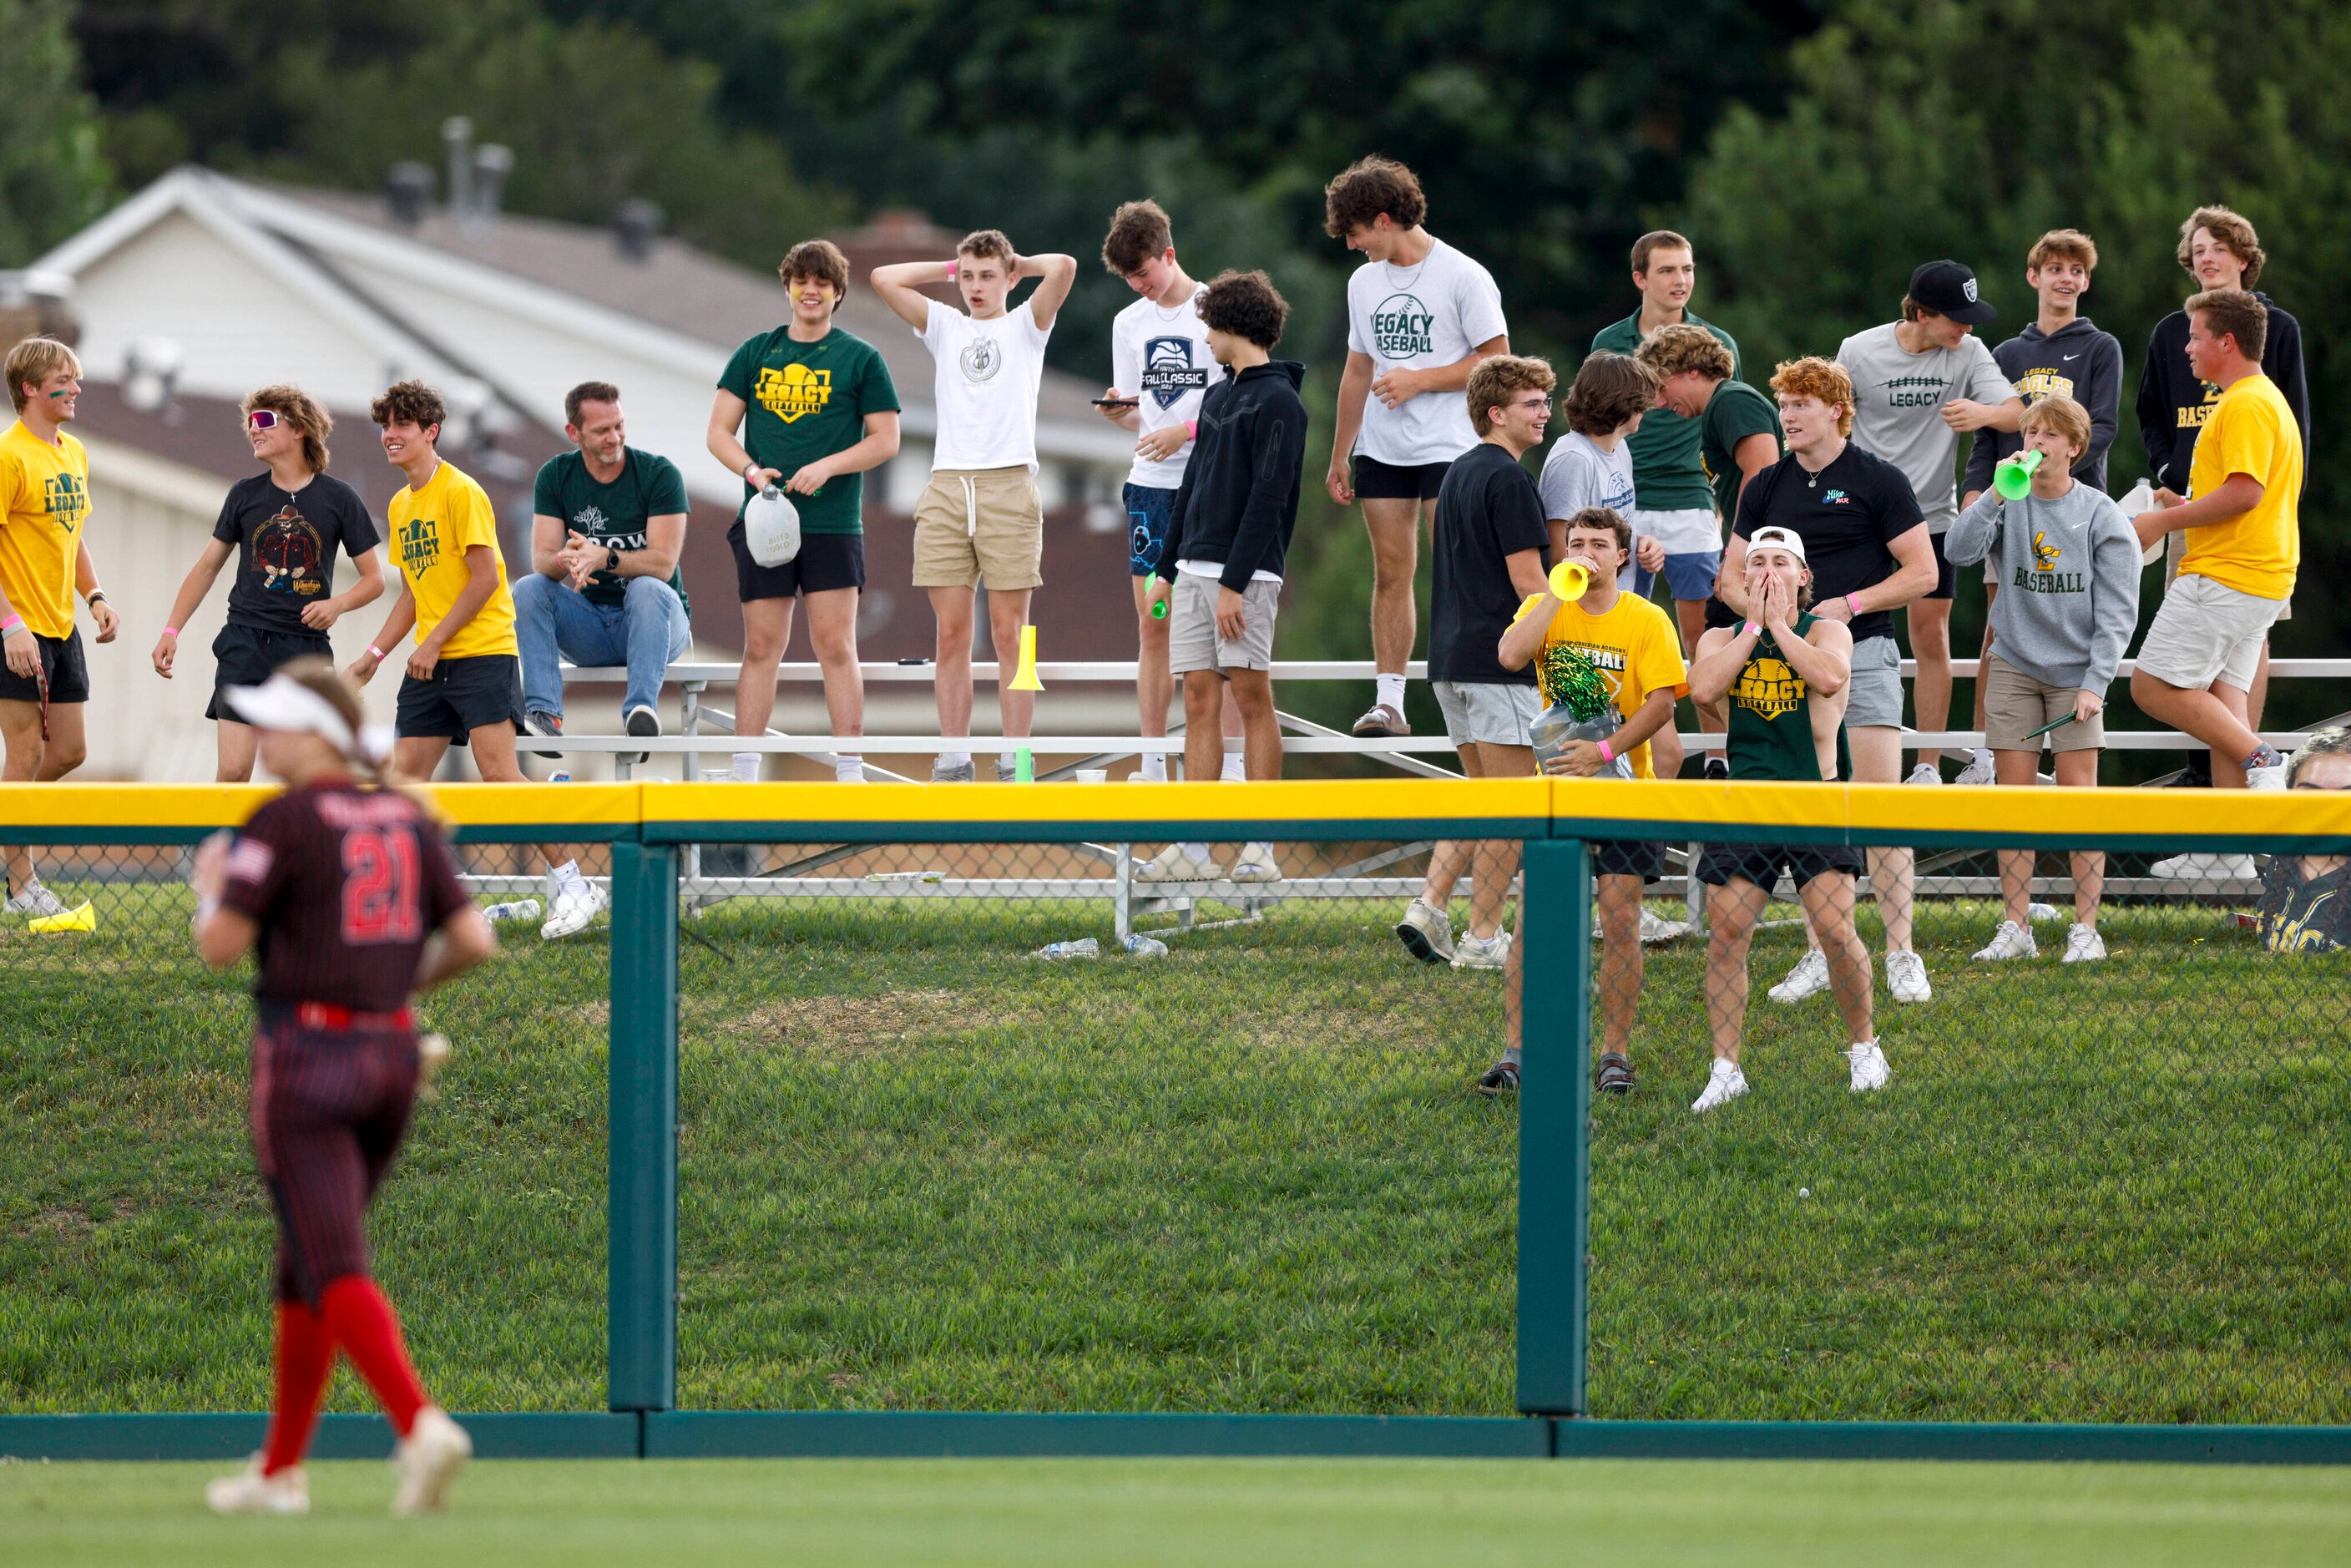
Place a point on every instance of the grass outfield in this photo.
(921, 1170)
(1229, 1512)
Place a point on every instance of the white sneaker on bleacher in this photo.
(2204, 867)
(1255, 863)
(1171, 864)
(2084, 944)
(2011, 941)
(1976, 771)
(1809, 977)
(1724, 1083)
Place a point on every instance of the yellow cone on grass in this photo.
(84, 918)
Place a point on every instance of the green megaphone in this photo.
(2013, 477)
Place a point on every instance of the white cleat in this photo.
(1255, 863)
(2011, 941)
(1171, 864)
(571, 910)
(250, 1491)
(2084, 944)
(1809, 977)
(1482, 952)
(1906, 977)
(1869, 1068)
(1724, 1083)
(427, 1460)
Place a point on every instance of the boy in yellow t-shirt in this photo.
(2196, 666)
(1638, 656)
(44, 504)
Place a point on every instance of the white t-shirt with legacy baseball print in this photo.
(986, 386)
(1415, 317)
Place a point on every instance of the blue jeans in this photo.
(645, 631)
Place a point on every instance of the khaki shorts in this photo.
(1194, 642)
(2175, 551)
(2015, 705)
(975, 524)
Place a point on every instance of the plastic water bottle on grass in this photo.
(1144, 946)
(1083, 947)
(521, 909)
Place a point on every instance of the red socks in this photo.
(306, 1358)
(363, 1325)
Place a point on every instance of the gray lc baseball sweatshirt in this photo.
(2068, 582)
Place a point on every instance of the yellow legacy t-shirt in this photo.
(2250, 431)
(44, 501)
(432, 530)
(1635, 648)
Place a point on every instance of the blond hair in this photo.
(35, 360)
(1671, 350)
(2063, 245)
(1814, 376)
(300, 409)
(2062, 415)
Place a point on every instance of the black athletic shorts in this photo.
(61, 663)
(1644, 858)
(248, 655)
(332, 1092)
(1378, 481)
(462, 696)
(1761, 864)
(826, 561)
(1947, 576)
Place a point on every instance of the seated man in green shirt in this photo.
(604, 588)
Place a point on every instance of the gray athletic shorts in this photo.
(1488, 712)
(2206, 631)
(1876, 685)
(1193, 641)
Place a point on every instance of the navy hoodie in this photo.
(2173, 403)
(1238, 501)
(2077, 361)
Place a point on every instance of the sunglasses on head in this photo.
(261, 419)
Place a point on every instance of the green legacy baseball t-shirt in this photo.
(1734, 412)
(1667, 474)
(809, 401)
(613, 515)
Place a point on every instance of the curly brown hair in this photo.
(1495, 379)
(1609, 389)
(1670, 351)
(410, 399)
(1597, 518)
(298, 408)
(988, 245)
(2232, 230)
(1138, 232)
(818, 258)
(1368, 187)
(1247, 305)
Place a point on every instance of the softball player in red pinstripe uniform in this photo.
(342, 891)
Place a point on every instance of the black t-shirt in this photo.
(1848, 514)
(286, 543)
(1487, 509)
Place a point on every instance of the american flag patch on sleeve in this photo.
(249, 860)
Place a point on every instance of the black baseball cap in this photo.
(1948, 288)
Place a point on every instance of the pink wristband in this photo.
(1191, 430)
(1852, 604)
(1606, 755)
(951, 272)
(377, 651)
(1751, 626)
(12, 623)
(171, 631)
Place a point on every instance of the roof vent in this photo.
(150, 370)
(492, 164)
(636, 228)
(408, 191)
(457, 142)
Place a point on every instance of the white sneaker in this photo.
(1976, 772)
(428, 1460)
(1656, 928)
(1869, 1068)
(2084, 944)
(36, 902)
(1171, 864)
(2011, 941)
(2267, 778)
(2203, 867)
(1809, 977)
(250, 1491)
(571, 910)
(1255, 863)
(1925, 773)
(1906, 977)
(1482, 952)
(1724, 1083)
(1427, 932)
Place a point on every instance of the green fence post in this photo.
(1554, 1112)
(641, 1365)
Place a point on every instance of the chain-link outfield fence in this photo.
(1107, 1099)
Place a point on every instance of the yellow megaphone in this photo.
(85, 918)
(1569, 578)
(1026, 681)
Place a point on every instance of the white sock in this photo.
(746, 767)
(953, 759)
(1391, 691)
(566, 875)
(1197, 851)
(848, 768)
(1982, 756)
(1155, 767)
(1007, 760)
(1234, 770)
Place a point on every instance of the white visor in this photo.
(1788, 540)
